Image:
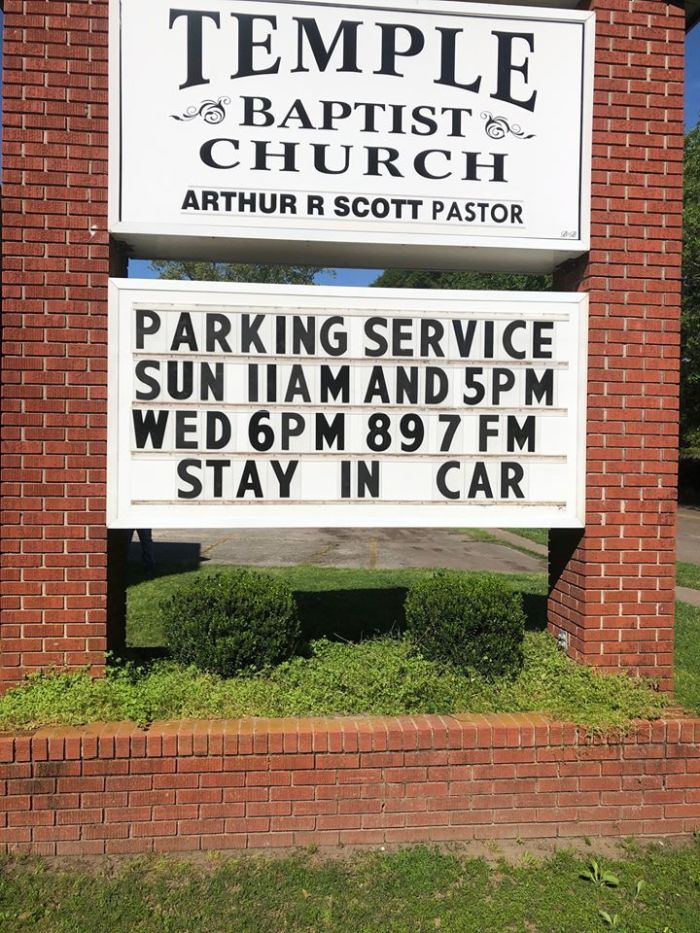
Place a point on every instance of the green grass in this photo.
(361, 602)
(382, 676)
(480, 534)
(688, 575)
(359, 662)
(538, 535)
(488, 537)
(343, 602)
(687, 658)
(418, 889)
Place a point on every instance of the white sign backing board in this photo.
(430, 134)
(281, 406)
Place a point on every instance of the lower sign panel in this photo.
(274, 406)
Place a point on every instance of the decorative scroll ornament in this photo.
(211, 111)
(498, 127)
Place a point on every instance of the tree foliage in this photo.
(690, 366)
(236, 272)
(487, 281)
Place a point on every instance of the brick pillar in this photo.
(612, 587)
(56, 261)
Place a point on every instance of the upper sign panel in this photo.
(446, 134)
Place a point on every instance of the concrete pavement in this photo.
(688, 539)
(345, 547)
(686, 595)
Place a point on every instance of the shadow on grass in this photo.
(171, 559)
(351, 615)
(535, 607)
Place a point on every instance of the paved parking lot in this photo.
(688, 541)
(375, 547)
(342, 547)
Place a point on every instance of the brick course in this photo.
(248, 784)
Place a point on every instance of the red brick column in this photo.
(55, 268)
(612, 588)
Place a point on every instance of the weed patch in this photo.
(686, 672)
(382, 676)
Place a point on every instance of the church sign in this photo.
(247, 405)
(417, 133)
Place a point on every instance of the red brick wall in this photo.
(54, 294)
(612, 589)
(279, 783)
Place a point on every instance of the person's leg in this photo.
(146, 541)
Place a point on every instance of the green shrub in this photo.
(232, 621)
(469, 622)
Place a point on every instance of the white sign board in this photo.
(415, 133)
(273, 406)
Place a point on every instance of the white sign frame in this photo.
(373, 243)
(125, 511)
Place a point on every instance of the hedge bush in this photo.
(468, 622)
(233, 621)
